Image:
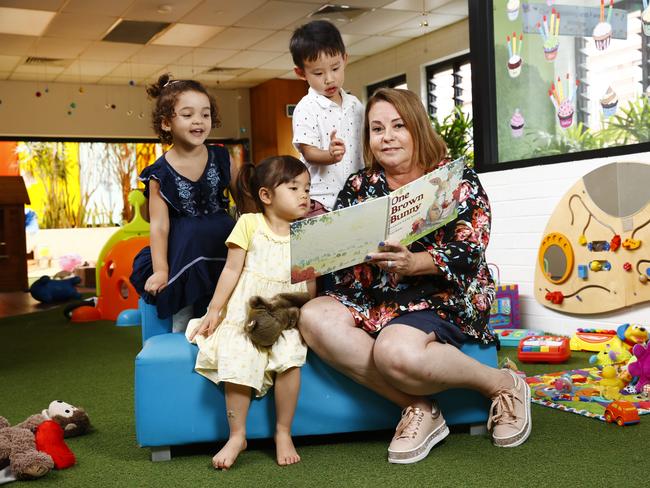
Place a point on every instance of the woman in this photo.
(396, 322)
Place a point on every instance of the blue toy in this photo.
(128, 318)
(47, 290)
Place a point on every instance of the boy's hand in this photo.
(208, 325)
(336, 148)
(156, 283)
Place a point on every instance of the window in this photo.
(619, 67)
(79, 183)
(559, 81)
(398, 82)
(449, 84)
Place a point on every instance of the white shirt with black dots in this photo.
(314, 119)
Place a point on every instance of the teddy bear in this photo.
(268, 317)
(641, 367)
(35, 446)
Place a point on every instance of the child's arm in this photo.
(225, 286)
(332, 155)
(158, 234)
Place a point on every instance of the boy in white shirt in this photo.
(327, 122)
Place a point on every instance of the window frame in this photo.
(387, 83)
(481, 33)
(455, 64)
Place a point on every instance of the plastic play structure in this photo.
(116, 297)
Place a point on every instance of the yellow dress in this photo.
(228, 354)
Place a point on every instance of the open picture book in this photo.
(343, 238)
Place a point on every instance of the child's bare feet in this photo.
(285, 450)
(227, 456)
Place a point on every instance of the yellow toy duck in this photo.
(611, 384)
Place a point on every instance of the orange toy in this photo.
(117, 293)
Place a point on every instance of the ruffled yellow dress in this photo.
(228, 354)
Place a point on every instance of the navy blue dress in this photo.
(198, 228)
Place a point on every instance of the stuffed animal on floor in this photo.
(641, 367)
(267, 318)
(47, 290)
(33, 447)
(18, 453)
(616, 353)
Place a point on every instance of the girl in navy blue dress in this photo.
(187, 192)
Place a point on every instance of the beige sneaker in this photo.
(510, 420)
(416, 434)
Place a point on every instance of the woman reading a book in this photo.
(396, 322)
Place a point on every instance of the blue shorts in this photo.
(428, 321)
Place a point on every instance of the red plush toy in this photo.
(49, 439)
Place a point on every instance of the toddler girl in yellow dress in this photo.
(258, 263)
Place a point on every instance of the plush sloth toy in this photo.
(268, 317)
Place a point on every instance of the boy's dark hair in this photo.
(270, 173)
(166, 91)
(311, 40)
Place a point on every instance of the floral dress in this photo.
(198, 228)
(461, 294)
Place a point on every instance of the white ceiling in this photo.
(248, 38)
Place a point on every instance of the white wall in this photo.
(23, 114)
(522, 202)
(408, 58)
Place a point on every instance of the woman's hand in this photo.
(156, 283)
(396, 258)
(209, 324)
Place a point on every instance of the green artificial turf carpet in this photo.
(43, 357)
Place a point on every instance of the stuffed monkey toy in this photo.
(268, 317)
(33, 447)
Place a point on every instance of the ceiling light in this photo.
(164, 9)
(24, 22)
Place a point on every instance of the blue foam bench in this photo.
(174, 405)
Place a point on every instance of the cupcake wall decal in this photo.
(603, 31)
(512, 8)
(609, 102)
(564, 105)
(645, 18)
(550, 32)
(514, 54)
(517, 123)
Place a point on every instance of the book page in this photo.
(336, 240)
(425, 204)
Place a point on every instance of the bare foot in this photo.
(285, 450)
(227, 456)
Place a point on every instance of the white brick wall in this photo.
(522, 202)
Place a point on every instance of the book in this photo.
(343, 238)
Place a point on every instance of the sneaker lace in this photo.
(410, 423)
(502, 410)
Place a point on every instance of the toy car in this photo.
(622, 412)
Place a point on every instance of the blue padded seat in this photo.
(176, 406)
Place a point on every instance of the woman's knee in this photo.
(316, 316)
(395, 360)
(401, 358)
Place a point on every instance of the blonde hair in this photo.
(428, 147)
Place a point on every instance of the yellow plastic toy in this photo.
(611, 384)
